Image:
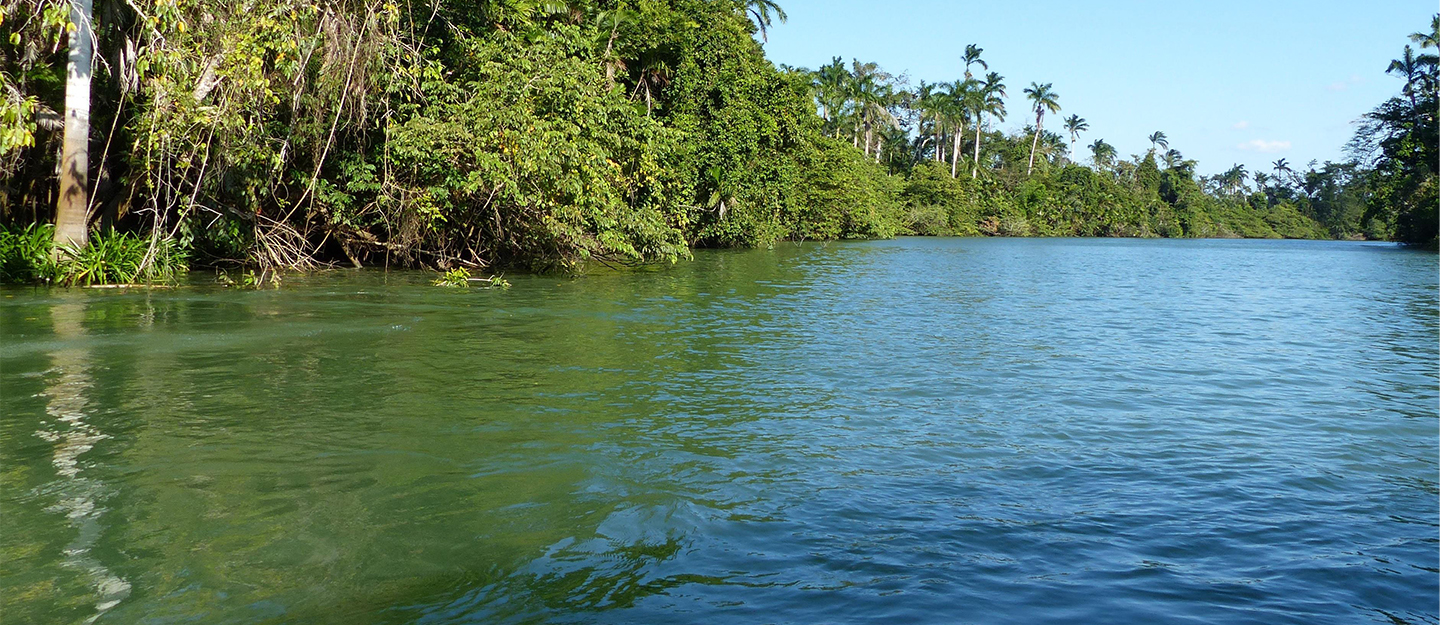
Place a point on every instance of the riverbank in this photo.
(518, 138)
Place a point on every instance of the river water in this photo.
(907, 431)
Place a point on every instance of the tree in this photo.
(1044, 99)
(1233, 180)
(955, 108)
(72, 208)
(1158, 140)
(1428, 39)
(1075, 125)
(759, 11)
(832, 85)
(926, 104)
(1172, 159)
(872, 98)
(1412, 70)
(612, 22)
(1262, 180)
(988, 100)
(655, 74)
(972, 57)
(1103, 154)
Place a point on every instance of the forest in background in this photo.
(544, 135)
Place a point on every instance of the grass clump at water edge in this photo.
(28, 255)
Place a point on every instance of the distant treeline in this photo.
(547, 134)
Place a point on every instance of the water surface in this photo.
(909, 431)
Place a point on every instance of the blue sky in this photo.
(1228, 81)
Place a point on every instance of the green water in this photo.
(930, 431)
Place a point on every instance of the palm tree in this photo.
(1045, 99)
(1430, 39)
(955, 109)
(1283, 173)
(759, 10)
(926, 104)
(1234, 178)
(1262, 180)
(612, 21)
(872, 98)
(933, 102)
(1413, 70)
(987, 100)
(1158, 139)
(1075, 125)
(719, 196)
(1103, 153)
(972, 57)
(655, 74)
(882, 120)
(1172, 159)
(1051, 146)
(858, 86)
(72, 207)
(831, 84)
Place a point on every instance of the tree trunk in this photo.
(72, 207)
(939, 143)
(955, 153)
(1033, 144)
(975, 170)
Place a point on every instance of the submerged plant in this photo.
(454, 278)
(249, 279)
(460, 277)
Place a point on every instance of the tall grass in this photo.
(28, 255)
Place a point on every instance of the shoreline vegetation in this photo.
(542, 136)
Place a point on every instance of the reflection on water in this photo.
(916, 431)
(79, 498)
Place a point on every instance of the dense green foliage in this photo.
(546, 135)
(28, 255)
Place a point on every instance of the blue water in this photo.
(908, 431)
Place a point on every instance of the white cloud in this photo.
(1263, 146)
(1343, 85)
(1241, 125)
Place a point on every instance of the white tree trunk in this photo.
(955, 153)
(939, 143)
(1033, 144)
(72, 208)
(975, 168)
